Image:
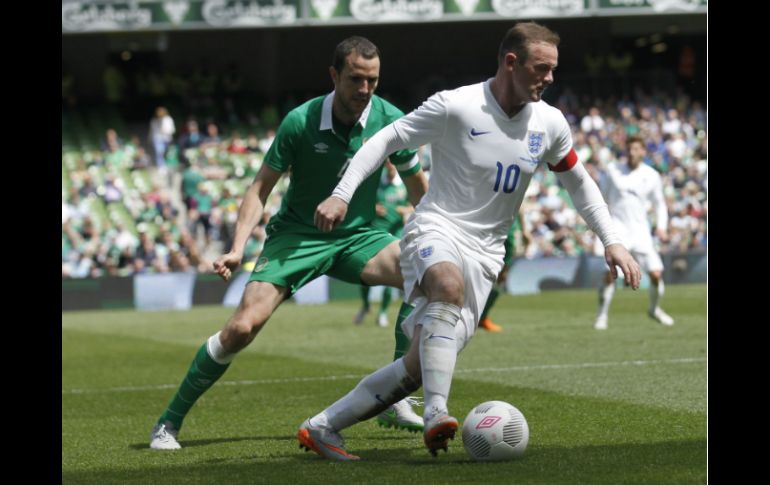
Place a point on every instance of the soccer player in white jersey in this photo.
(632, 188)
(487, 140)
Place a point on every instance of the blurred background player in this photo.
(392, 209)
(630, 189)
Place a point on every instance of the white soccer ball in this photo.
(495, 431)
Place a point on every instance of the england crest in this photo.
(535, 143)
(425, 252)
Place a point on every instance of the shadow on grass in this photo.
(663, 462)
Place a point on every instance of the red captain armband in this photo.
(566, 163)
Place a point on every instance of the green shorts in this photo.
(295, 254)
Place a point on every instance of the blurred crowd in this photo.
(168, 201)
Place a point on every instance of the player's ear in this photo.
(509, 60)
(334, 74)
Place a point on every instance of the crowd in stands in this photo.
(168, 201)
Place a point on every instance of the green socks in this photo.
(203, 373)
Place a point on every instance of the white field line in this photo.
(587, 365)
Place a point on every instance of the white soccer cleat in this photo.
(601, 322)
(382, 319)
(662, 317)
(324, 441)
(163, 437)
(401, 416)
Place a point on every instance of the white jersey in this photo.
(630, 195)
(482, 160)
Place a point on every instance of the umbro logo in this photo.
(477, 133)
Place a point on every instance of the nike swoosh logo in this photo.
(377, 397)
(477, 133)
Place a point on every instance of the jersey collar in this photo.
(326, 114)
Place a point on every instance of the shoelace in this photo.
(414, 401)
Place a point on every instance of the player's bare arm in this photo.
(249, 215)
(416, 186)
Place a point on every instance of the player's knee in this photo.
(655, 277)
(440, 320)
(235, 336)
(449, 290)
(241, 329)
(608, 278)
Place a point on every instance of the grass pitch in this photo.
(627, 405)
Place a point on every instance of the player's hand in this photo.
(662, 234)
(330, 213)
(380, 210)
(617, 255)
(226, 264)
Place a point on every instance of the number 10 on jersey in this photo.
(511, 177)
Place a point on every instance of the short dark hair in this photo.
(520, 36)
(361, 45)
(634, 139)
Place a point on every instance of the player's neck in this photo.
(505, 98)
(344, 116)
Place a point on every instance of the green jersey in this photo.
(317, 150)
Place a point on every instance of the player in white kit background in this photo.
(631, 189)
(487, 140)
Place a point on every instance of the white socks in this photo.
(438, 354)
(605, 298)
(656, 292)
(390, 384)
(369, 398)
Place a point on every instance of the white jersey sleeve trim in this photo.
(408, 164)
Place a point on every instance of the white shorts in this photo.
(428, 244)
(639, 243)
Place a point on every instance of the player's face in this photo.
(636, 154)
(536, 74)
(355, 83)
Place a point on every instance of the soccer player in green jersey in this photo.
(392, 207)
(315, 143)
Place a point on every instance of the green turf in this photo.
(627, 405)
